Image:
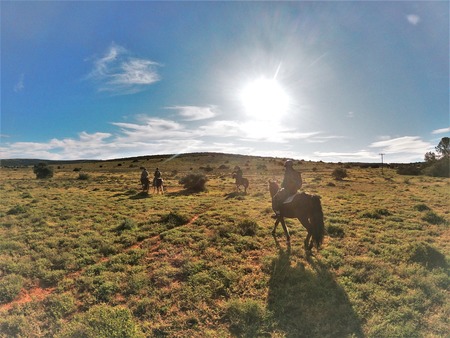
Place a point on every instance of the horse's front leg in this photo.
(275, 227)
(286, 231)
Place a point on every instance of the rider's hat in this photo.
(289, 163)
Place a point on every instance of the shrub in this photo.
(127, 224)
(421, 207)
(377, 214)
(59, 306)
(410, 169)
(334, 230)
(194, 182)
(246, 318)
(440, 168)
(339, 174)
(83, 176)
(103, 321)
(42, 170)
(174, 219)
(18, 209)
(248, 228)
(426, 255)
(10, 287)
(433, 218)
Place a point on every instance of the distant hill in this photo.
(26, 162)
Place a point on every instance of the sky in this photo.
(323, 81)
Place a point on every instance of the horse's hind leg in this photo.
(309, 243)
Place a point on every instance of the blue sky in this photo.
(332, 81)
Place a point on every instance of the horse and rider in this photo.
(158, 185)
(145, 181)
(240, 180)
(157, 181)
(287, 202)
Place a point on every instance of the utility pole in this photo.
(382, 173)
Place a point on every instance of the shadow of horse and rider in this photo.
(306, 301)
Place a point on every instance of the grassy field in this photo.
(86, 254)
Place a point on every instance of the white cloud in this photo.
(195, 113)
(357, 156)
(19, 86)
(441, 131)
(413, 19)
(406, 144)
(119, 73)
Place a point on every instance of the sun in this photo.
(265, 99)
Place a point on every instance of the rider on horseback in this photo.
(238, 172)
(292, 181)
(156, 175)
(144, 179)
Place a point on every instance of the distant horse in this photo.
(241, 181)
(308, 210)
(145, 183)
(158, 185)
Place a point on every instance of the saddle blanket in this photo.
(290, 198)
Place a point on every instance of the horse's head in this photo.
(273, 187)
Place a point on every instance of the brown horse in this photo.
(241, 181)
(158, 185)
(308, 210)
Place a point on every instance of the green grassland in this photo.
(86, 254)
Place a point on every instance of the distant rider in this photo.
(238, 173)
(292, 181)
(144, 179)
(156, 175)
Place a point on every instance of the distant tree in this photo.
(42, 170)
(443, 148)
(430, 157)
(438, 165)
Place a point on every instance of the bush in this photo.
(18, 209)
(339, 174)
(174, 219)
(103, 321)
(10, 287)
(246, 318)
(426, 255)
(127, 224)
(440, 168)
(59, 306)
(335, 231)
(42, 170)
(410, 169)
(248, 228)
(83, 176)
(194, 182)
(433, 218)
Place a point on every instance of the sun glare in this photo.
(265, 100)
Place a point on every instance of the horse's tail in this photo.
(319, 227)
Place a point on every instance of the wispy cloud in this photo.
(441, 131)
(19, 86)
(195, 113)
(406, 144)
(118, 72)
(413, 19)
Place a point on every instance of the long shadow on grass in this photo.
(309, 302)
